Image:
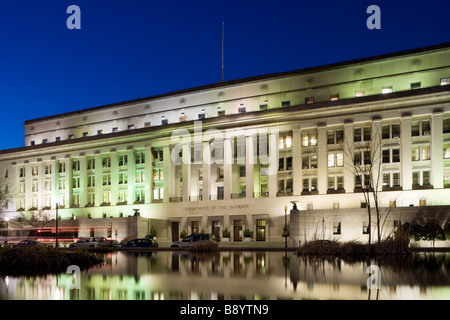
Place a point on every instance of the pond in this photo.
(228, 275)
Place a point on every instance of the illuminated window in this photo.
(99, 132)
(147, 124)
(420, 128)
(334, 97)
(107, 179)
(359, 93)
(309, 100)
(445, 81)
(309, 139)
(386, 90)
(447, 151)
(140, 176)
(106, 197)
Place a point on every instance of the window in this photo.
(447, 151)
(91, 198)
(123, 196)
(386, 155)
(362, 157)
(71, 136)
(286, 103)
(158, 155)
(359, 93)
(106, 197)
(264, 106)
(365, 228)
(76, 199)
(75, 182)
(140, 176)
(446, 125)
(62, 184)
(309, 139)
(91, 181)
(242, 171)
(123, 178)
(85, 134)
(421, 178)
(147, 124)
(334, 97)
(391, 179)
(47, 169)
(34, 171)
(309, 162)
(220, 172)
(335, 136)
(336, 228)
(47, 185)
(58, 139)
(362, 134)
(106, 162)
(390, 131)
(336, 159)
(309, 184)
(420, 128)
(241, 109)
(115, 129)
(140, 157)
(385, 90)
(164, 120)
(91, 164)
(336, 183)
(22, 172)
(261, 230)
(76, 165)
(285, 142)
(416, 85)
(309, 100)
(62, 167)
(220, 112)
(130, 126)
(123, 160)
(420, 153)
(107, 179)
(445, 81)
(34, 187)
(140, 195)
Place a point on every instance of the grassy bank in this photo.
(40, 261)
(354, 248)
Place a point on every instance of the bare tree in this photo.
(5, 193)
(35, 219)
(365, 158)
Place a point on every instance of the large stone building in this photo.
(195, 159)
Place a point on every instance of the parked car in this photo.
(193, 239)
(28, 244)
(140, 243)
(88, 242)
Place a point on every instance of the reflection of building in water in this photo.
(232, 275)
(316, 124)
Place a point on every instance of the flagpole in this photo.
(223, 35)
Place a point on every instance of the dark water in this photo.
(166, 275)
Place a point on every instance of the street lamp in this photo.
(56, 230)
(285, 226)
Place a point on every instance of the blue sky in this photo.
(139, 48)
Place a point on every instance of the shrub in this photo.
(183, 234)
(248, 233)
(447, 230)
(226, 233)
(206, 246)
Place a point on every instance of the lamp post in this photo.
(285, 226)
(56, 230)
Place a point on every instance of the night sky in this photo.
(139, 48)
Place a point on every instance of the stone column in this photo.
(249, 165)
(349, 174)
(227, 168)
(406, 160)
(437, 145)
(297, 162)
(322, 159)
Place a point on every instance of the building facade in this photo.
(236, 154)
